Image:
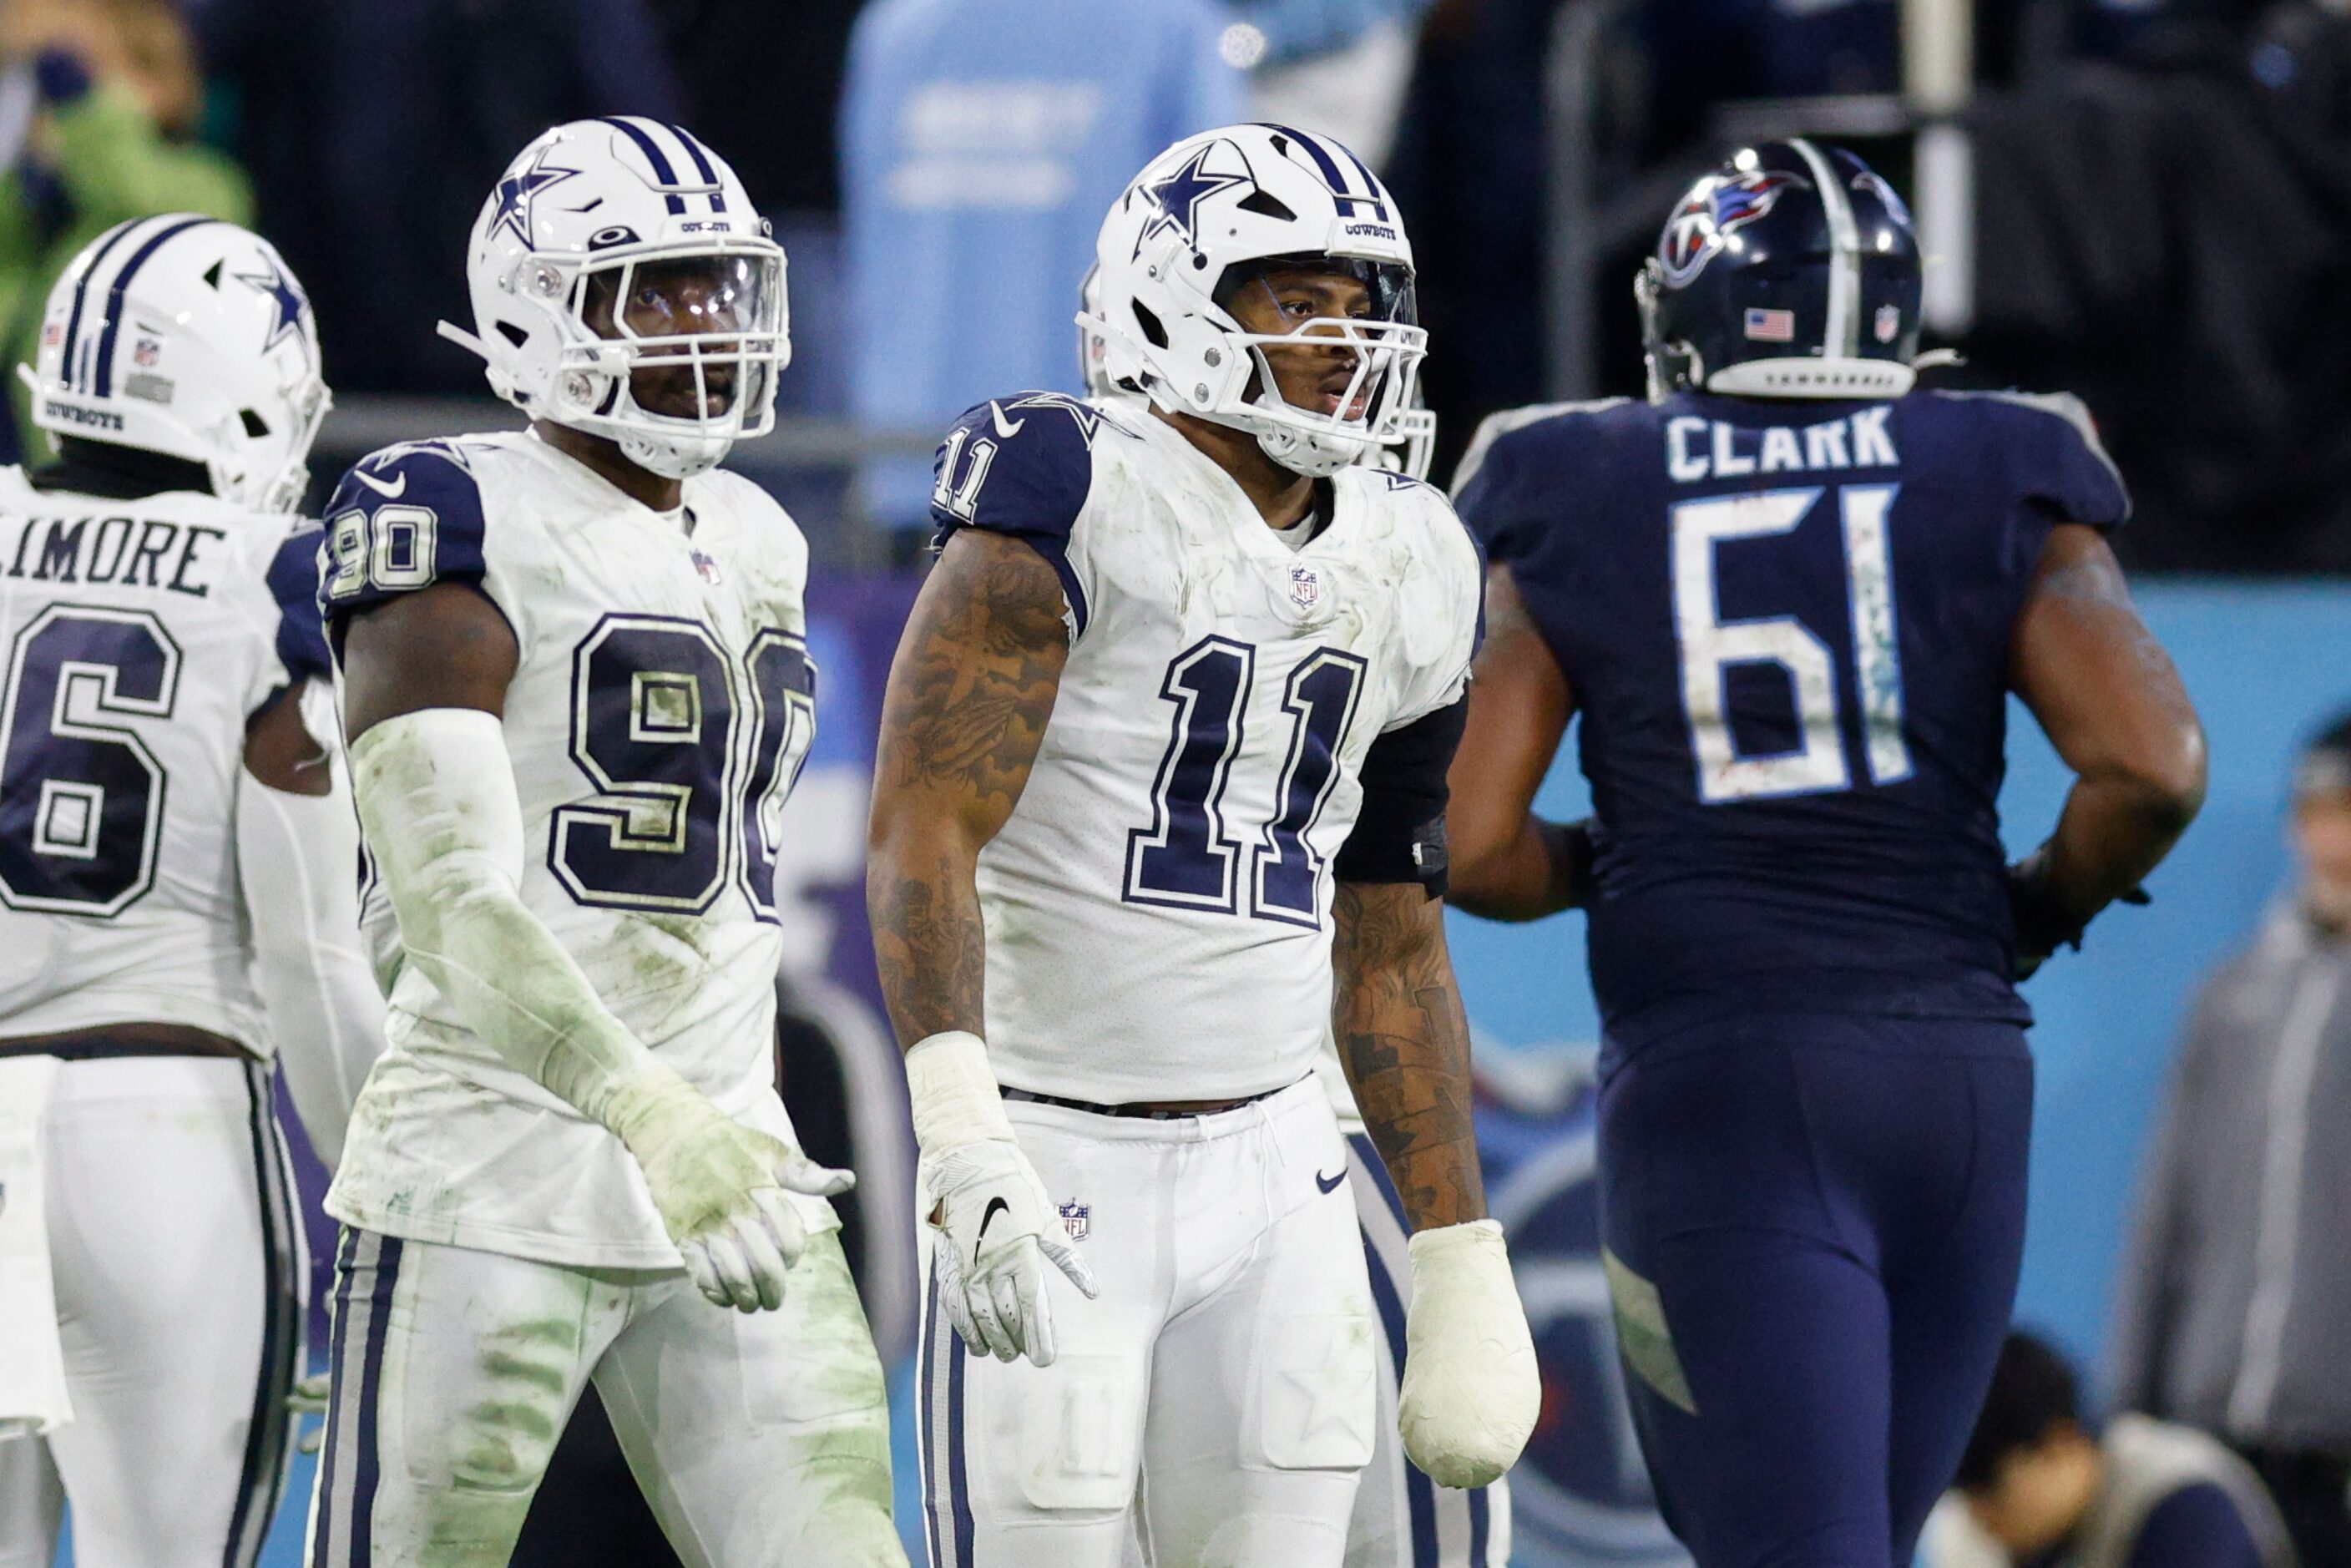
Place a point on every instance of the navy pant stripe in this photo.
(387, 1279)
(934, 1526)
(1420, 1495)
(1481, 1527)
(331, 1455)
(262, 1473)
(958, 1483)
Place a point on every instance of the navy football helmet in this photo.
(1791, 271)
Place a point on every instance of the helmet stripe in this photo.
(1842, 339)
(664, 173)
(105, 370)
(1336, 177)
(701, 156)
(81, 295)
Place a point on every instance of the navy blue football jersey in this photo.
(1787, 628)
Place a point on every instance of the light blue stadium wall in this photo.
(2264, 664)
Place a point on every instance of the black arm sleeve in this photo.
(1400, 833)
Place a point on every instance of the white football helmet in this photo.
(1415, 446)
(1195, 228)
(640, 224)
(187, 336)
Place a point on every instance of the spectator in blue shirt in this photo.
(982, 143)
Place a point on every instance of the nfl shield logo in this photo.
(708, 568)
(1889, 322)
(147, 353)
(1077, 1218)
(1305, 587)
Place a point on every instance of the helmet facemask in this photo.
(1350, 330)
(675, 350)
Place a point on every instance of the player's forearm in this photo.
(296, 858)
(1544, 868)
(437, 800)
(1403, 1041)
(928, 941)
(2115, 830)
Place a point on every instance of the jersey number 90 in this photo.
(691, 754)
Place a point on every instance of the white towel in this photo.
(32, 1362)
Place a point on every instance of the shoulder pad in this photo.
(294, 584)
(1023, 466)
(401, 519)
(2055, 455)
(1495, 426)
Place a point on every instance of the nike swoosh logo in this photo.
(995, 1205)
(1005, 428)
(389, 492)
(1330, 1182)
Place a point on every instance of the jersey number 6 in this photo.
(81, 796)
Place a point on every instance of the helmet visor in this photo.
(705, 332)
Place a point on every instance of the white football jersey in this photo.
(656, 721)
(142, 635)
(1158, 906)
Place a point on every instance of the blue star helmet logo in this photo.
(518, 189)
(1179, 196)
(285, 296)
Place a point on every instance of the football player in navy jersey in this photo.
(1789, 595)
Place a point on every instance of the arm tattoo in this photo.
(970, 693)
(1403, 1041)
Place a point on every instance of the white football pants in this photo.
(179, 1269)
(1218, 1397)
(759, 1440)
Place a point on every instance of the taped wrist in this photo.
(1399, 833)
(436, 797)
(953, 1092)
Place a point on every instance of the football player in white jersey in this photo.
(176, 899)
(1158, 809)
(576, 689)
(1402, 1520)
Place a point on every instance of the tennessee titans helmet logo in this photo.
(1712, 212)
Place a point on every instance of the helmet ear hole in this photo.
(255, 426)
(513, 334)
(1153, 331)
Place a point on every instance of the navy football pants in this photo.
(1813, 1227)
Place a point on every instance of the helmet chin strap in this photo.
(675, 457)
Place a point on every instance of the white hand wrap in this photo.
(996, 1225)
(1471, 1391)
(436, 795)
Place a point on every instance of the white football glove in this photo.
(719, 1187)
(1471, 1391)
(997, 1230)
(995, 1226)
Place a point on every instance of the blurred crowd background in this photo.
(2145, 202)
